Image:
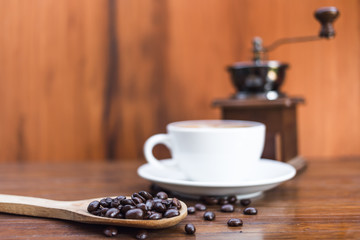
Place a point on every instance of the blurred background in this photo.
(92, 80)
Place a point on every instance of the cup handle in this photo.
(149, 145)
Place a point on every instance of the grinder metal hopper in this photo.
(261, 78)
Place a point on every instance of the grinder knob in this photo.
(326, 16)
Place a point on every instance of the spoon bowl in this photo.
(77, 211)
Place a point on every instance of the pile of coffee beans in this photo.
(141, 205)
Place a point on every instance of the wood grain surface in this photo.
(92, 80)
(322, 202)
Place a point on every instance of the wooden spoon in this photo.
(77, 211)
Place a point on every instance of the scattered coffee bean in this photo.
(141, 235)
(190, 228)
(162, 195)
(227, 208)
(209, 200)
(245, 202)
(232, 199)
(200, 207)
(223, 201)
(250, 211)
(191, 210)
(110, 231)
(235, 222)
(93, 206)
(209, 216)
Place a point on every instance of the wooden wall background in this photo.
(91, 80)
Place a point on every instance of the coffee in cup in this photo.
(211, 150)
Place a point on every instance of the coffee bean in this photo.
(171, 213)
(93, 206)
(245, 202)
(126, 208)
(209, 216)
(232, 199)
(167, 202)
(120, 198)
(200, 207)
(175, 202)
(137, 200)
(127, 202)
(210, 200)
(223, 201)
(190, 228)
(142, 234)
(105, 202)
(227, 208)
(138, 196)
(103, 211)
(159, 207)
(156, 200)
(155, 216)
(250, 211)
(135, 213)
(146, 195)
(110, 231)
(112, 212)
(149, 204)
(191, 210)
(235, 222)
(142, 206)
(115, 203)
(97, 212)
(162, 195)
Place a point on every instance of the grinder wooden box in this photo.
(278, 115)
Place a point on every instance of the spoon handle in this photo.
(31, 206)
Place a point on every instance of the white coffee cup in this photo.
(211, 150)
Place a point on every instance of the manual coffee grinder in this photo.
(259, 97)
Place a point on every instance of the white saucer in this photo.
(268, 174)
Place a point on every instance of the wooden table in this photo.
(321, 202)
